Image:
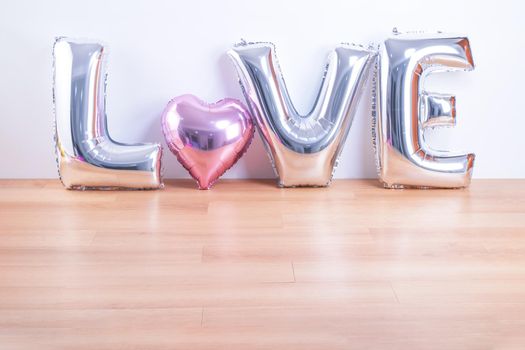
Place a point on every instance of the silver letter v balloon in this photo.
(304, 149)
(403, 110)
(87, 156)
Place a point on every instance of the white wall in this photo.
(161, 49)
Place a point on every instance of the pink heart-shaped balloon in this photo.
(207, 139)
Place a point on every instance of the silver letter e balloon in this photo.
(404, 110)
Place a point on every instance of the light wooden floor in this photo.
(250, 266)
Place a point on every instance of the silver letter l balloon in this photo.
(304, 149)
(87, 156)
(402, 110)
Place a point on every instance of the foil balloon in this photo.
(87, 157)
(207, 139)
(304, 149)
(403, 110)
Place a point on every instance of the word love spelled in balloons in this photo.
(304, 149)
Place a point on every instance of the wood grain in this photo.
(251, 266)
